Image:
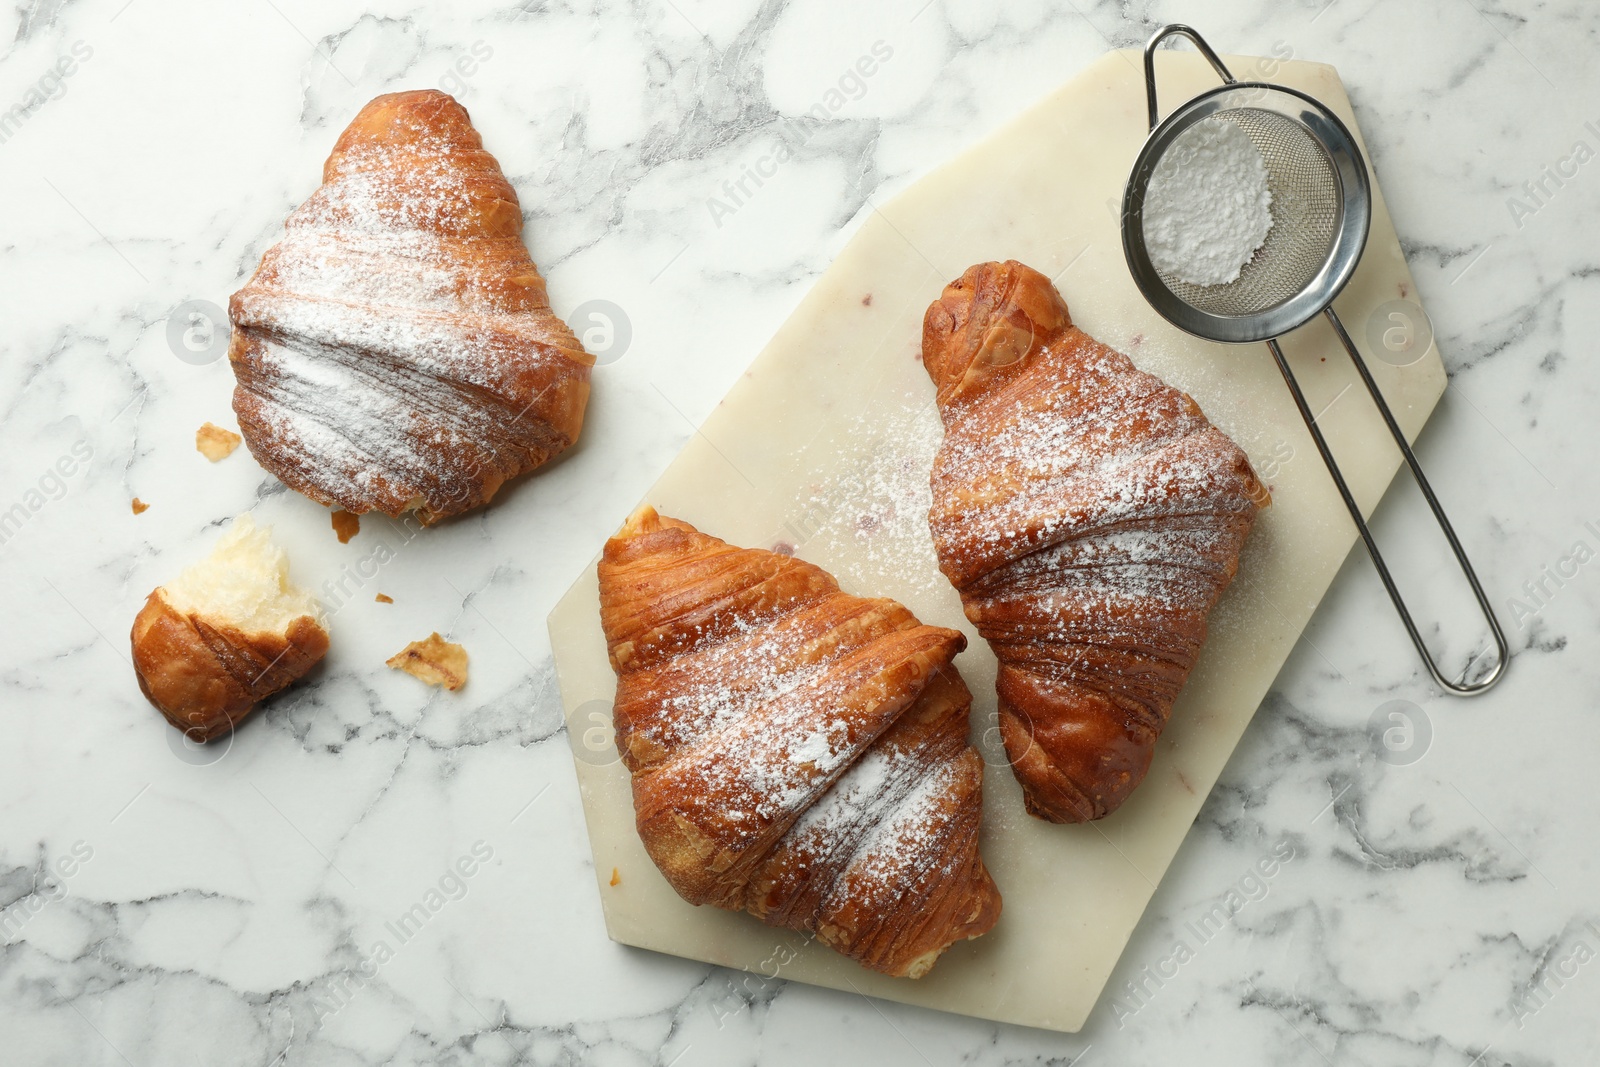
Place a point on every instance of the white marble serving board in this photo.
(826, 444)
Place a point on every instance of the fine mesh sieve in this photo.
(1321, 211)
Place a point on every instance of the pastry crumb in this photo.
(434, 661)
(384, 598)
(215, 443)
(139, 506)
(616, 877)
(346, 524)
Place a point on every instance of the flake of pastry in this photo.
(215, 443)
(433, 660)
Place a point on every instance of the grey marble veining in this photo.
(1431, 903)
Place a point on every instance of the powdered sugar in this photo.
(873, 515)
(1208, 206)
(879, 819)
(774, 721)
(1105, 448)
(896, 841)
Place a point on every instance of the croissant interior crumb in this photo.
(245, 580)
(215, 443)
(434, 660)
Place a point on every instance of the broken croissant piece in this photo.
(396, 350)
(432, 660)
(215, 443)
(1090, 516)
(226, 634)
(797, 753)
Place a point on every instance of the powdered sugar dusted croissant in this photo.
(797, 753)
(396, 350)
(1090, 517)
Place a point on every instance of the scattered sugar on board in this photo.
(1208, 206)
(871, 517)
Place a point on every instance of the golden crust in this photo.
(396, 350)
(205, 675)
(797, 752)
(1090, 517)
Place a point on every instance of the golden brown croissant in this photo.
(1090, 517)
(396, 350)
(797, 753)
(227, 634)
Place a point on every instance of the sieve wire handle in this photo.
(1180, 30)
(1456, 689)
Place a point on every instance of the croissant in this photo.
(1090, 517)
(396, 351)
(226, 634)
(796, 752)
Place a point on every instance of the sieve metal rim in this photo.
(1350, 238)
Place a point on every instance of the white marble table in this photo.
(159, 906)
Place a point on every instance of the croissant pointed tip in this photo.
(413, 102)
(645, 519)
(987, 325)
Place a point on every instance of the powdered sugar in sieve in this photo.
(1208, 205)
